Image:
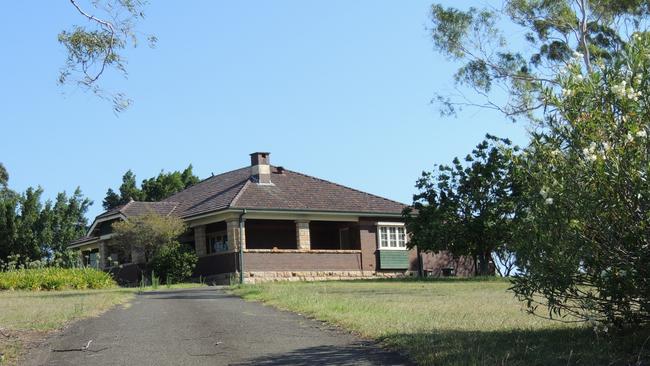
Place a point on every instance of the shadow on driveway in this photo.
(362, 353)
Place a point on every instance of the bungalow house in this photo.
(265, 223)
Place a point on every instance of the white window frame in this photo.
(389, 225)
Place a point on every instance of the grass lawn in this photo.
(451, 322)
(26, 317)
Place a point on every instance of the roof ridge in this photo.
(125, 206)
(173, 209)
(241, 191)
(344, 186)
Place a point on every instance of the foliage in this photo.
(34, 231)
(52, 278)
(450, 322)
(65, 220)
(555, 33)
(98, 47)
(153, 189)
(582, 224)
(128, 191)
(585, 237)
(4, 177)
(147, 234)
(174, 262)
(467, 210)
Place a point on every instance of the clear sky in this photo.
(336, 89)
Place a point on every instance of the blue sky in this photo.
(336, 89)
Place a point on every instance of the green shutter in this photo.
(393, 259)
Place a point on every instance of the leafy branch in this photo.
(98, 47)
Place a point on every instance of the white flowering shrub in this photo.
(583, 234)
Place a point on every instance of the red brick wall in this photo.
(306, 261)
(216, 264)
(434, 263)
(368, 241)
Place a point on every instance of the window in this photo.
(392, 236)
(92, 260)
(217, 242)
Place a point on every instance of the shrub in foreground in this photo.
(55, 279)
(174, 263)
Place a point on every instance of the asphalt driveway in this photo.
(205, 327)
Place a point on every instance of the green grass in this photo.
(28, 316)
(451, 322)
(47, 310)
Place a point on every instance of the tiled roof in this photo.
(136, 208)
(212, 194)
(288, 191)
(295, 191)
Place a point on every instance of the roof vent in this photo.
(279, 170)
(261, 168)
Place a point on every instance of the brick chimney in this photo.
(261, 167)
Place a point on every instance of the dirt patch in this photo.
(16, 343)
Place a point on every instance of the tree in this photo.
(466, 210)
(97, 47)
(166, 184)
(584, 240)
(147, 234)
(28, 243)
(153, 189)
(8, 223)
(582, 233)
(556, 32)
(66, 220)
(128, 191)
(4, 177)
(33, 231)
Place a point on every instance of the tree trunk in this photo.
(482, 264)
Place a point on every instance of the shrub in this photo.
(52, 278)
(174, 262)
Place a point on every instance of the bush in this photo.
(174, 263)
(52, 278)
(583, 246)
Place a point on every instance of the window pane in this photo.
(401, 237)
(393, 237)
(383, 237)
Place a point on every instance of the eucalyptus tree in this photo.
(503, 72)
(580, 76)
(98, 45)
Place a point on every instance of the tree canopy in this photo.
(4, 176)
(147, 234)
(467, 209)
(153, 189)
(510, 75)
(31, 230)
(97, 47)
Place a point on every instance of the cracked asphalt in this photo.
(205, 327)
